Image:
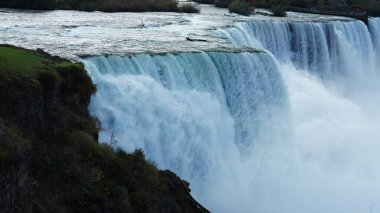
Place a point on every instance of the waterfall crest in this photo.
(328, 49)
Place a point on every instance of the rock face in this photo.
(50, 160)
(26, 112)
(14, 178)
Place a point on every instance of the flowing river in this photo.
(268, 115)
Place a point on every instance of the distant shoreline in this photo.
(103, 6)
(362, 17)
(358, 11)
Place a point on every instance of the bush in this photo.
(223, 3)
(300, 3)
(278, 11)
(205, 1)
(241, 7)
(188, 8)
(373, 9)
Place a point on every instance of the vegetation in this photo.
(373, 8)
(340, 7)
(241, 7)
(188, 8)
(223, 3)
(95, 5)
(50, 160)
(205, 1)
(278, 11)
(352, 8)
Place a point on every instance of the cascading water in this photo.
(330, 49)
(252, 135)
(374, 28)
(205, 116)
(300, 135)
(332, 80)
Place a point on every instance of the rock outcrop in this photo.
(50, 160)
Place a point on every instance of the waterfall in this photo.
(330, 72)
(290, 129)
(328, 49)
(203, 115)
(374, 27)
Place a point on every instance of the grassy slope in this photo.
(28, 63)
(50, 160)
(21, 62)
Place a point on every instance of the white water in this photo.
(248, 136)
(72, 34)
(205, 116)
(329, 49)
(374, 27)
(251, 135)
(226, 123)
(333, 85)
(246, 142)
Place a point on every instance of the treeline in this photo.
(99, 5)
(243, 7)
(350, 7)
(373, 8)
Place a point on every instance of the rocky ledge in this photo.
(50, 160)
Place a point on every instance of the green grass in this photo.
(21, 62)
(28, 63)
(67, 65)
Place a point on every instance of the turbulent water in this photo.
(292, 129)
(252, 134)
(199, 114)
(326, 48)
(332, 76)
(374, 27)
(73, 33)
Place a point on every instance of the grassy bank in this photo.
(50, 160)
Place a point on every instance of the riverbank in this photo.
(360, 10)
(104, 6)
(363, 16)
(50, 160)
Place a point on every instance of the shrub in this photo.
(223, 3)
(241, 7)
(278, 11)
(205, 1)
(300, 3)
(188, 8)
(373, 9)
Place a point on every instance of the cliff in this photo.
(50, 160)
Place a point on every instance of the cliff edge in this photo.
(50, 160)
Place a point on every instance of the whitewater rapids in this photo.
(292, 129)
